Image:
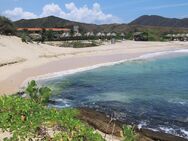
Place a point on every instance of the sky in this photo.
(93, 11)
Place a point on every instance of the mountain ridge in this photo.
(155, 20)
(143, 23)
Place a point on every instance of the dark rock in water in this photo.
(103, 123)
(52, 101)
(100, 121)
(160, 136)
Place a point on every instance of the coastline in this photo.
(82, 69)
(76, 60)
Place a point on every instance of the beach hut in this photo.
(140, 36)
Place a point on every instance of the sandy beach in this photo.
(20, 61)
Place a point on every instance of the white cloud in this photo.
(51, 9)
(19, 13)
(80, 14)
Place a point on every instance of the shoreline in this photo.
(67, 60)
(42, 75)
(87, 68)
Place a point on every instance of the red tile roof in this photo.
(40, 29)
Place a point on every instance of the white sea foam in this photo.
(167, 130)
(142, 124)
(73, 71)
(178, 101)
(64, 103)
(182, 51)
(184, 132)
(59, 106)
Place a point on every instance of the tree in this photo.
(6, 26)
(49, 35)
(43, 34)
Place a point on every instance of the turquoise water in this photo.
(151, 93)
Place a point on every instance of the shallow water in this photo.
(151, 93)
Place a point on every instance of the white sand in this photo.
(19, 60)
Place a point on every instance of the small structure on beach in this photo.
(140, 36)
(122, 36)
(35, 36)
(177, 37)
(89, 34)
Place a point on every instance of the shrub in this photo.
(39, 95)
(129, 134)
(25, 38)
(26, 119)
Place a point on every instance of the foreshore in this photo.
(22, 61)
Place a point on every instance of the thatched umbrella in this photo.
(99, 34)
(65, 35)
(77, 35)
(183, 35)
(178, 35)
(173, 35)
(169, 35)
(103, 34)
(113, 34)
(89, 34)
(122, 35)
(109, 34)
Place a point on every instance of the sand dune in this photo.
(19, 60)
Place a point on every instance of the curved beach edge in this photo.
(82, 69)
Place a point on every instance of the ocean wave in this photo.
(62, 103)
(178, 101)
(142, 124)
(73, 71)
(182, 51)
(179, 132)
(185, 132)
